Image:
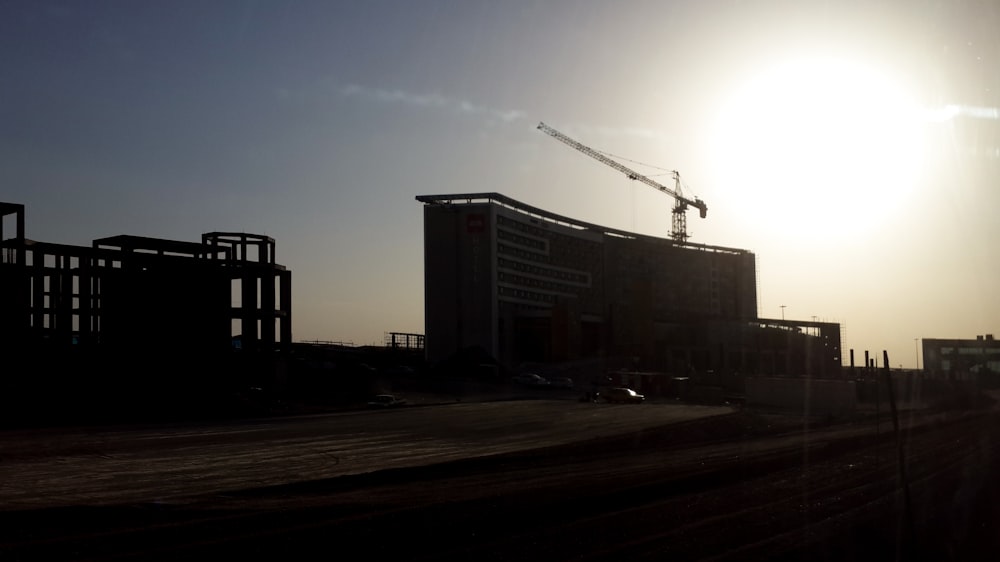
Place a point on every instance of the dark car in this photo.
(561, 382)
(530, 379)
(386, 401)
(622, 395)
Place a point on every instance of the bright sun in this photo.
(818, 148)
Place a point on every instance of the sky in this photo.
(853, 146)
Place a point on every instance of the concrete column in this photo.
(267, 311)
(248, 310)
(285, 305)
(38, 287)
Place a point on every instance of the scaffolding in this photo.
(134, 291)
(403, 340)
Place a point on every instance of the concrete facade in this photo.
(140, 311)
(962, 358)
(527, 285)
(808, 396)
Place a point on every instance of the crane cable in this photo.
(667, 171)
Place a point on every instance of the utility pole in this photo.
(916, 351)
(782, 313)
(904, 482)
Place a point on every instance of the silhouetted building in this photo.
(527, 285)
(962, 359)
(142, 311)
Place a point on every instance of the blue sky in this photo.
(318, 122)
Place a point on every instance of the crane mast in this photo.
(679, 224)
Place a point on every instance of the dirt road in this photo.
(649, 482)
(163, 463)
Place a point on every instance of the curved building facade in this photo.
(528, 285)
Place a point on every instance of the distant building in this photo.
(962, 358)
(141, 308)
(527, 285)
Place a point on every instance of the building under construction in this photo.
(527, 285)
(146, 314)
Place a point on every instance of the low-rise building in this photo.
(962, 359)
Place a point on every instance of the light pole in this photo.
(916, 351)
(782, 313)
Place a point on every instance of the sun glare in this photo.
(818, 148)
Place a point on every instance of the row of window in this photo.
(571, 246)
(522, 240)
(993, 366)
(510, 305)
(521, 253)
(526, 295)
(518, 225)
(536, 283)
(968, 350)
(579, 258)
(561, 275)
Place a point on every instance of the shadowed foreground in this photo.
(735, 486)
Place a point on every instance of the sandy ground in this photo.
(524, 480)
(100, 466)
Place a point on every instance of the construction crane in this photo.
(679, 227)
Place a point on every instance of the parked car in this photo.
(561, 382)
(530, 379)
(386, 401)
(623, 395)
(399, 370)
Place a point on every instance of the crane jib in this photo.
(679, 230)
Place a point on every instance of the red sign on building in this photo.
(475, 223)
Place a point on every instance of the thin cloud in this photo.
(431, 101)
(637, 132)
(593, 132)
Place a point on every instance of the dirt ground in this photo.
(552, 480)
